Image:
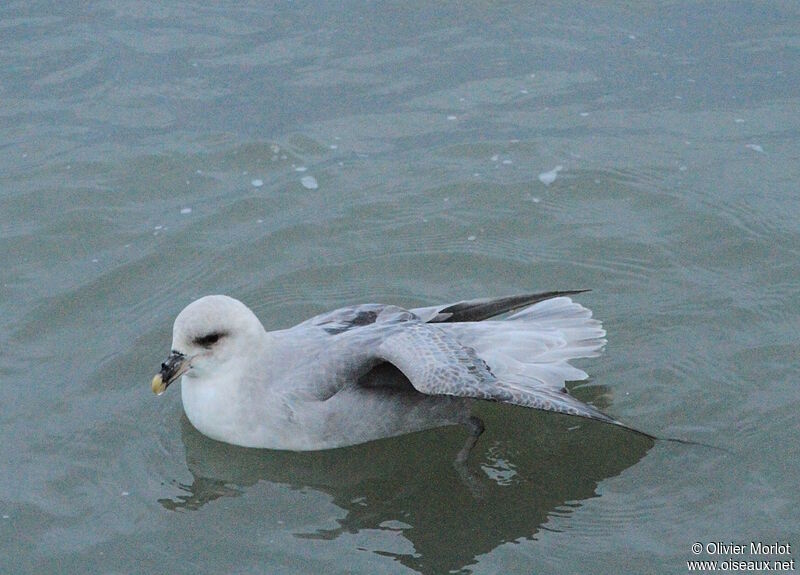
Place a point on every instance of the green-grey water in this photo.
(303, 156)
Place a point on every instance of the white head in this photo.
(208, 334)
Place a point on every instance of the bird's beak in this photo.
(176, 365)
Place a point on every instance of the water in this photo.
(302, 158)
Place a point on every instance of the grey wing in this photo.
(484, 308)
(436, 364)
(347, 318)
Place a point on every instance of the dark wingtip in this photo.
(690, 442)
(670, 439)
(477, 310)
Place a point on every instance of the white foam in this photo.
(309, 182)
(550, 176)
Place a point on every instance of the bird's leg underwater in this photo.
(475, 427)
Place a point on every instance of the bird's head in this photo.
(208, 334)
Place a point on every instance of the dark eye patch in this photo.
(209, 339)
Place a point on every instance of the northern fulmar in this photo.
(371, 371)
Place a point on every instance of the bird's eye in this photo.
(209, 339)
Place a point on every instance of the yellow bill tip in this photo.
(157, 385)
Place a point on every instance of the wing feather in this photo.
(436, 364)
(484, 308)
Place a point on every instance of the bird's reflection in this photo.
(528, 466)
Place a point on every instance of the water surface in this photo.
(303, 157)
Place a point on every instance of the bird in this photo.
(371, 371)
